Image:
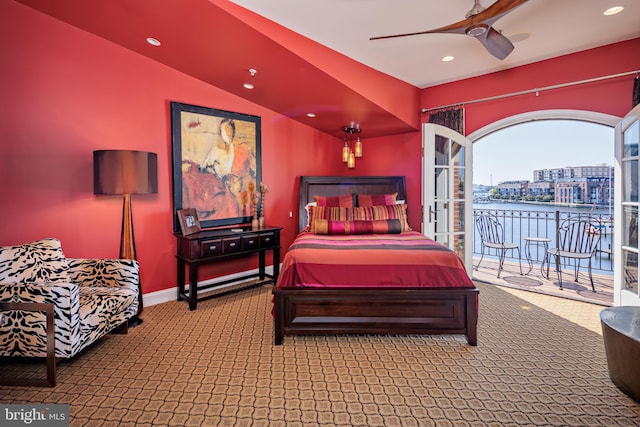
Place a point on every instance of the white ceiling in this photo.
(555, 27)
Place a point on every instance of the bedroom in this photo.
(68, 92)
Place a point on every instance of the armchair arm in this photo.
(20, 327)
(122, 273)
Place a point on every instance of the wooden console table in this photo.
(217, 245)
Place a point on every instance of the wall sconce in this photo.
(351, 149)
(126, 172)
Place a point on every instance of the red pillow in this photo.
(345, 201)
(377, 200)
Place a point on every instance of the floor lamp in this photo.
(126, 172)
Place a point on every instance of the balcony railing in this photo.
(519, 224)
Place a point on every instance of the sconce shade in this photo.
(125, 172)
(358, 148)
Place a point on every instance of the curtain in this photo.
(452, 118)
(636, 92)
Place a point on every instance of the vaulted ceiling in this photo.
(315, 57)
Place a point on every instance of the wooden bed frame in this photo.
(326, 311)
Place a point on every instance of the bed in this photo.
(357, 284)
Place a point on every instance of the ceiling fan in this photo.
(478, 24)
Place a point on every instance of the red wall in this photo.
(607, 96)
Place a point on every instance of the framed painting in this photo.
(216, 164)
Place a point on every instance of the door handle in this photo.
(430, 213)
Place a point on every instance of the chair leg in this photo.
(593, 288)
(520, 261)
(501, 261)
(481, 256)
(559, 271)
(49, 311)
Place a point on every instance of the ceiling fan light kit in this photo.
(476, 30)
(479, 25)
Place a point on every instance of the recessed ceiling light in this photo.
(613, 10)
(153, 42)
(312, 115)
(447, 58)
(518, 37)
(248, 85)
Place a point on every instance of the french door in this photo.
(627, 183)
(447, 199)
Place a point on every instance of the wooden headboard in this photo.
(340, 185)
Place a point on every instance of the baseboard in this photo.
(170, 294)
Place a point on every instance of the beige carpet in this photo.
(540, 361)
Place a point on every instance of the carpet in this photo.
(540, 361)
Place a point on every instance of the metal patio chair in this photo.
(492, 236)
(577, 240)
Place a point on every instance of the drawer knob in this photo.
(268, 239)
(251, 242)
(212, 248)
(232, 244)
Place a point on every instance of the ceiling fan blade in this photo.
(495, 12)
(487, 17)
(496, 43)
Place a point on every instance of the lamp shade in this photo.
(125, 172)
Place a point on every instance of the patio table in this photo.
(542, 242)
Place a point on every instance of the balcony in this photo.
(520, 224)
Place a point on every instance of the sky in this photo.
(515, 152)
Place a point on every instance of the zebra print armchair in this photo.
(91, 297)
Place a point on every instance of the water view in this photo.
(522, 220)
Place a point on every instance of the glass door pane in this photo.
(447, 200)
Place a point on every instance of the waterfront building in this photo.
(597, 171)
(513, 188)
(583, 190)
(541, 188)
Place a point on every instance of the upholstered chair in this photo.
(90, 297)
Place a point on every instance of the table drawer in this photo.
(250, 242)
(210, 248)
(231, 245)
(267, 240)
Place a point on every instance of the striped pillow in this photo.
(328, 213)
(396, 211)
(382, 226)
(377, 200)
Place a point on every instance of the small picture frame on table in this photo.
(189, 223)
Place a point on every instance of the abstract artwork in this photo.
(216, 159)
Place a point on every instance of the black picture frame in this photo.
(217, 160)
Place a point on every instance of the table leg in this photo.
(527, 253)
(193, 286)
(261, 264)
(180, 278)
(545, 259)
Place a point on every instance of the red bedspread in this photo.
(372, 260)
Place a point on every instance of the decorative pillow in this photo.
(377, 200)
(330, 213)
(383, 226)
(345, 201)
(309, 208)
(398, 212)
(39, 261)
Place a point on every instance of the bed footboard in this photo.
(375, 311)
